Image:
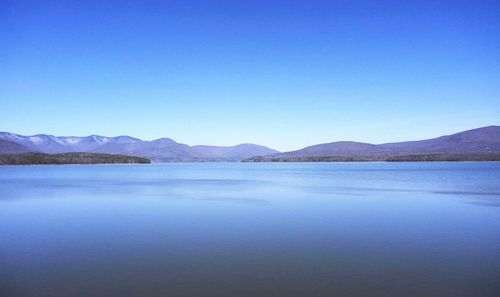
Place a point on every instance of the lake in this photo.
(251, 229)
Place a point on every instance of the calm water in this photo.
(230, 229)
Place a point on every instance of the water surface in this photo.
(244, 229)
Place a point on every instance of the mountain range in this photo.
(159, 150)
(481, 144)
(467, 145)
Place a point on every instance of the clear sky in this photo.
(286, 74)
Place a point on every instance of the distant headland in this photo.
(68, 158)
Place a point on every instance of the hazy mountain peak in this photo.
(164, 141)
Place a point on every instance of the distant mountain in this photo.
(9, 147)
(339, 148)
(476, 141)
(233, 153)
(159, 150)
(36, 143)
(167, 150)
(92, 142)
(477, 144)
(51, 144)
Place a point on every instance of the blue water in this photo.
(244, 229)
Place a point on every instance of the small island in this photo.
(68, 158)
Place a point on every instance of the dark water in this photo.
(340, 229)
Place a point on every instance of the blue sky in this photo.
(286, 74)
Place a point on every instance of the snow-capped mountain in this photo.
(51, 144)
(160, 150)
